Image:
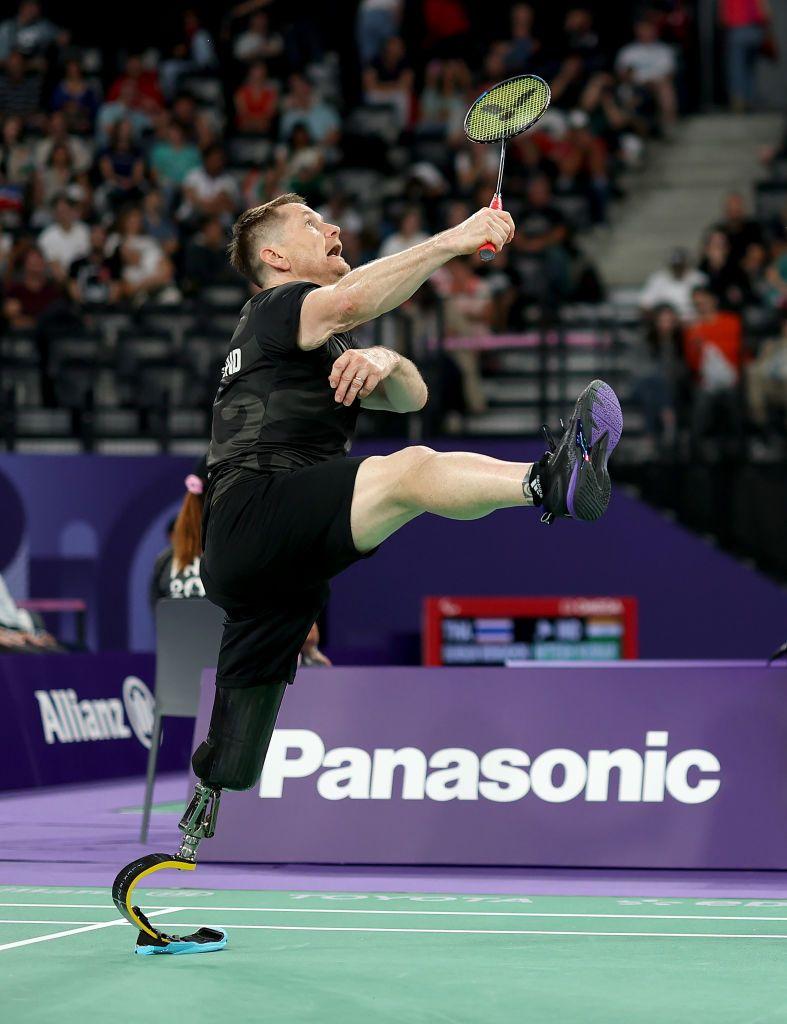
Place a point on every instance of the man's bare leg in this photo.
(572, 480)
(392, 490)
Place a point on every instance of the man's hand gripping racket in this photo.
(500, 113)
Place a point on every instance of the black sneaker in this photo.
(572, 479)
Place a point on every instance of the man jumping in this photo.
(286, 509)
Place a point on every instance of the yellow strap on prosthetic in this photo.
(131, 876)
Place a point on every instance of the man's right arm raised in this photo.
(384, 284)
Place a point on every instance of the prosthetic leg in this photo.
(232, 756)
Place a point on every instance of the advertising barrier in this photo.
(621, 764)
(80, 718)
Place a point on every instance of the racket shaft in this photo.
(488, 251)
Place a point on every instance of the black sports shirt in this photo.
(275, 409)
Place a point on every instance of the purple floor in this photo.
(75, 836)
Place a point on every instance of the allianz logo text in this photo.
(503, 775)
(67, 719)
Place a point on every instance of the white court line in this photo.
(76, 931)
(432, 913)
(485, 931)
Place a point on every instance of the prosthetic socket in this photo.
(232, 756)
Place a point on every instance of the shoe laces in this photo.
(549, 517)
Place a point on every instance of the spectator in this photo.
(582, 40)
(522, 47)
(35, 294)
(410, 232)
(256, 101)
(93, 279)
(302, 105)
(724, 277)
(146, 272)
(776, 276)
(30, 33)
(64, 241)
(58, 134)
(121, 166)
(20, 91)
(581, 160)
(205, 258)
(122, 109)
(76, 98)
(257, 42)
(19, 632)
(193, 53)
(713, 352)
(447, 28)
(139, 86)
(673, 286)
(57, 178)
(389, 80)
(176, 570)
(158, 224)
(376, 22)
(172, 158)
(740, 229)
(744, 23)
(208, 190)
(661, 378)
(650, 65)
(16, 154)
(754, 267)
(766, 385)
(442, 105)
(302, 166)
(541, 258)
(467, 311)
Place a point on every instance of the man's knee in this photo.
(408, 487)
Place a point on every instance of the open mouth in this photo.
(336, 250)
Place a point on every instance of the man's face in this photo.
(310, 245)
(214, 163)
(64, 214)
(645, 32)
(733, 207)
(704, 304)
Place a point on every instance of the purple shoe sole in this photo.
(590, 487)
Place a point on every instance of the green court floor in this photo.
(374, 958)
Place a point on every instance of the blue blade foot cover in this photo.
(205, 940)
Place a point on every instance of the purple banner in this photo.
(79, 718)
(627, 765)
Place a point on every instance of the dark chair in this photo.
(188, 634)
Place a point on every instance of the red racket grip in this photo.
(487, 251)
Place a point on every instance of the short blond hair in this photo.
(247, 235)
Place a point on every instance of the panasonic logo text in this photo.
(503, 775)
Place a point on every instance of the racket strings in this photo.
(507, 109)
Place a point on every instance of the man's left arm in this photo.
(391, 382)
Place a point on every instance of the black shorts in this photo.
(272, 542)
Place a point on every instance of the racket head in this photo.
(507, 109)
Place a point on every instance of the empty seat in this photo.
(109, 423)
(21, 382)
(86, 348)
(43, 423)
(250, 150)
(227, 297)
(188, 423)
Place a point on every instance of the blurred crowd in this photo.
(716, 342)
(118, 184)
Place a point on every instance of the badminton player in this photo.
(286, 507)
